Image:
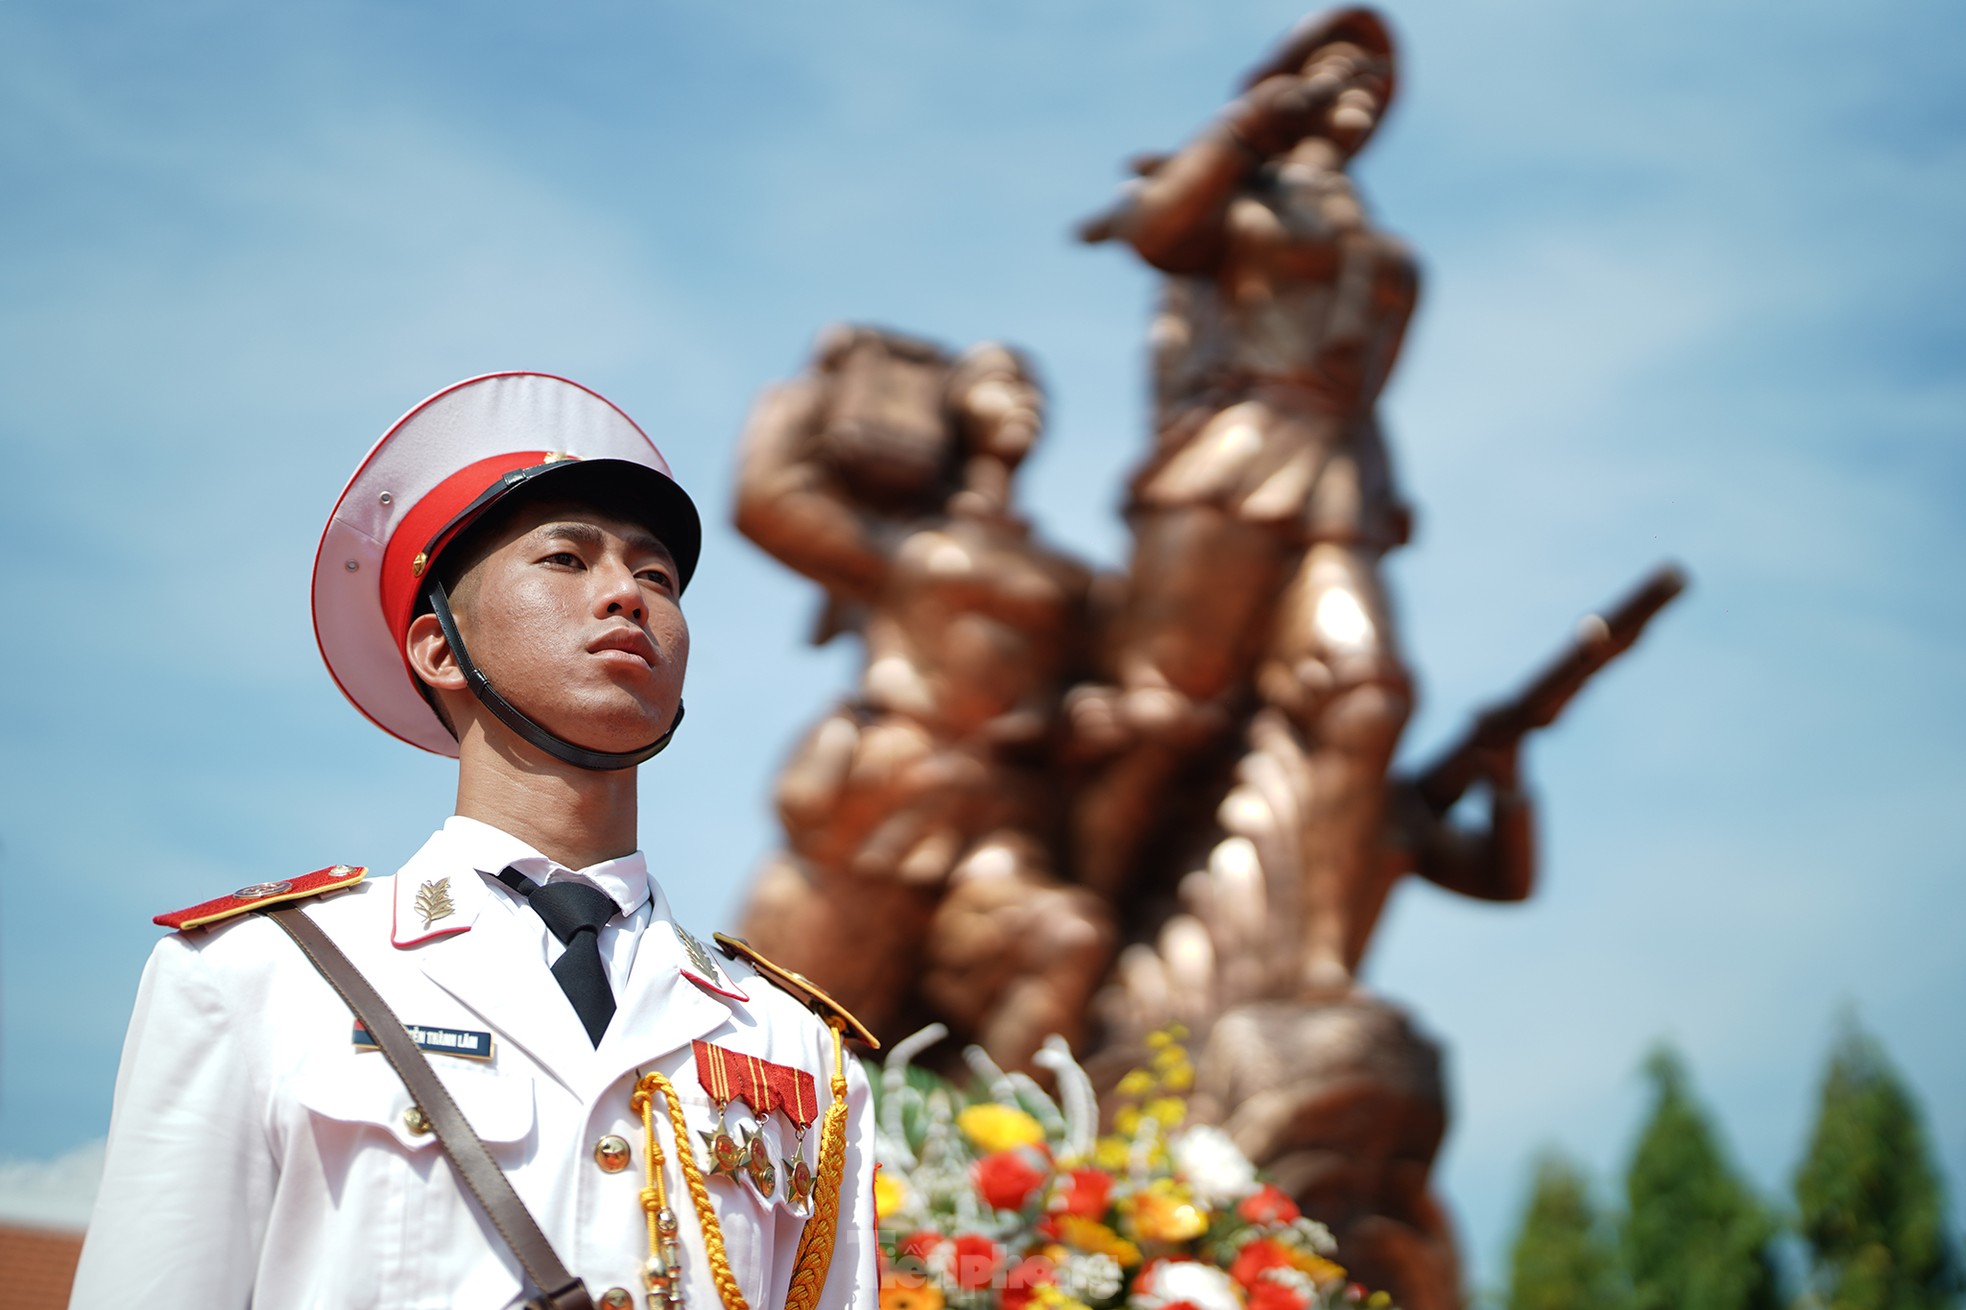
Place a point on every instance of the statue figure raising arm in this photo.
(921, 816)
(1267, 504)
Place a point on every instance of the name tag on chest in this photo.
(438, 1041)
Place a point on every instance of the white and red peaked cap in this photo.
(434, 473)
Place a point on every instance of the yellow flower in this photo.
(1094, 1238)
(1170, 1057)
(1138, 1082)
(1320, 1270)
(890, 1194)
(1127, 1121)
(1178, 1080)
(1164, 1213)
(1048, 1296)
(1112, 1153)
(1158, 1040)
(926, 1297)
(996, 1127)
(1166, 1111)
(1378, 1299)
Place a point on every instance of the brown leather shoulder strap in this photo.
(480, 1174)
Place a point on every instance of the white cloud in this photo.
(57, 1193)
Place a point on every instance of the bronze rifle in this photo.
(1600, 639)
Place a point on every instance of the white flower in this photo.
(1216, 1170)
(1203, 1286)
(1295, 1279)
(1092, 1277)
(1315, 1235)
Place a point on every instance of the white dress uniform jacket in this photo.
(258, 1157)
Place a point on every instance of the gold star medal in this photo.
(728, 1076)
(757, 1163)
(796, 1095)
(726, 1156)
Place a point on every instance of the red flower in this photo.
(1269, 1294)
(1007, 1179)
(1024, 1280)
(1268, 1205)
(1255, 1257)
(977, 1261)
(1085, 1193)
(919, 1245)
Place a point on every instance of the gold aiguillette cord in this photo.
(821, 1231)
(663, 1273)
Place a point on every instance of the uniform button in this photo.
(617, 1297)
(611, 1153)
(416, 1121)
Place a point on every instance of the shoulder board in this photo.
(801, 987)
(221, 908)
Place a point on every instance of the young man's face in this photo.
(573, 615)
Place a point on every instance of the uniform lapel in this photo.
(496, 971)
(661, 1010)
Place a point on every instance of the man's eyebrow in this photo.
(580, 534)
(591, 537)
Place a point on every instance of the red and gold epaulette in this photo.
(802, 988)
(221, 908)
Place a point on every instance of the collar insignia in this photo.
(699, 955)
(433, 901)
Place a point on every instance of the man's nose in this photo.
(620, 592)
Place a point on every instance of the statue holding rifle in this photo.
(1255, 604)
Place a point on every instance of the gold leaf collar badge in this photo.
(433, 901)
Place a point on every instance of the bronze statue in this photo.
(1262, 515)
(920, 816)
(1192, 759)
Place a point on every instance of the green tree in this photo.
(1566, 1256)
(1870, 1202)
(1695, 1236)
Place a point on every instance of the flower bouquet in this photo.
(1001, 1198)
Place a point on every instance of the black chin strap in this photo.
(514, 718)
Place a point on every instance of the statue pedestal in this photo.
(1342, 1103)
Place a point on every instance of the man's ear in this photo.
(431, 655)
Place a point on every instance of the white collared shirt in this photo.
(472, 843)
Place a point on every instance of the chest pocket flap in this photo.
(360, 1088)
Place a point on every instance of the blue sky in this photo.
(1693, 282)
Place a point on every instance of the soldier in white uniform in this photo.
(500, 582)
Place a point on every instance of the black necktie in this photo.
(575, 913)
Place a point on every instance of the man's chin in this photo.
(616, 729)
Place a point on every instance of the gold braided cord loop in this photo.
(653, 1192)
(822, 1230)
(699, 1195)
